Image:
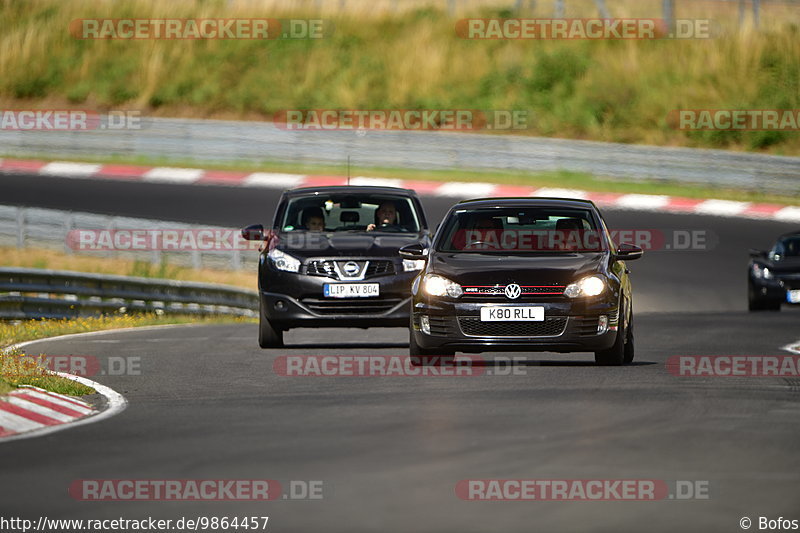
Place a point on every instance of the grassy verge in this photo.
(18, 368)
(607, 90)
(560, 179)
(56, 260)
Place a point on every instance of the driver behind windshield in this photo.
(385, 215)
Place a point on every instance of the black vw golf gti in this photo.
(331, 259)
(522, 274)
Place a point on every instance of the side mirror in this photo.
(758, 254)
(628, 252)
(413, 251)
(254, 232)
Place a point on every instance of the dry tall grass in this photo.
(379, 56)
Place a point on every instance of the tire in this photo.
(268, 335)
(615, 356)
(628, 351)
(433, 357)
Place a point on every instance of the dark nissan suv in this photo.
(522, 274)
(331, 259)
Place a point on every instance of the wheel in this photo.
(433, 357)
(268, 335)
(628, 351)
(615, 356)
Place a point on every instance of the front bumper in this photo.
(774, 290)
(290, 300)
(568, 327)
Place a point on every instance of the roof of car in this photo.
(526, 201)
(350, 188)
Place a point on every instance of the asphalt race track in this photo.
(389, 451)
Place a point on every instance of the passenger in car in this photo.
(313, 219)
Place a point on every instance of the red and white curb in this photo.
(31, 408)
(197, 176)
(33, 412)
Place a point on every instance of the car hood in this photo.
(491, 269)
(308, 244)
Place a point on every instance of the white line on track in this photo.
(793, 347)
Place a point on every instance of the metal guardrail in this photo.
(240, 141)
(27, 293)
(24, 227)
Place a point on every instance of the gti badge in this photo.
(512, 291)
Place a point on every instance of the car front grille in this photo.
(379, 268)
(790, 281)
(549, 327)
(320, 268)
(350, 306)
(527, 290)
(327, 268)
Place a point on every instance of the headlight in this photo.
(762, 272)
(439, 286)
(413, 264)
(284, 261)
(589, 286)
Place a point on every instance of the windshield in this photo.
(351, 212)
(788, 247)
(521, 230)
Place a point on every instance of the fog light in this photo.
(425, 324)
(602, 324)
(280, 305)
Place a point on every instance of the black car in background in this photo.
(774, 276)
(522, 274)
(331, 259)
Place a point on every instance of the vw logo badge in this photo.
(512, 291)
(351, 268)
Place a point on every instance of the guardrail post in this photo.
(669, 10)
(197, 259)
(69, 224)
(559, 9)
(112, 225)
(756, 12)
(602, 9)
(20, 227)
